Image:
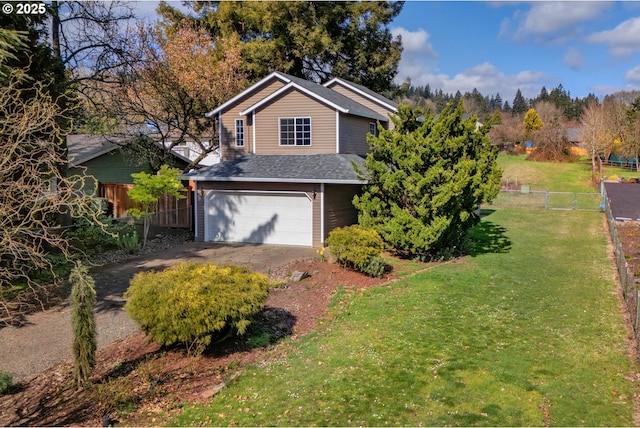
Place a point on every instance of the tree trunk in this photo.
(55, 30)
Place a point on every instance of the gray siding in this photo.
(338, 206)
(364, 101)
(353, 134)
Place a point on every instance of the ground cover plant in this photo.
(526, 331)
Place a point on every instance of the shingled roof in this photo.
(320, 92)
(319, 168)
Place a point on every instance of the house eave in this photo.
(247, 91)
(271, 180)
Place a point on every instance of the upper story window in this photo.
(373, 129)
(295, 131)
(239, 132)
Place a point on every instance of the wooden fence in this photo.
(172, 212)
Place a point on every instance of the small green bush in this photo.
(376, 267)
(356, 247)
(92, 238)
(6, 382)
(190, 302)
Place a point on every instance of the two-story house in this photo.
(287, 147)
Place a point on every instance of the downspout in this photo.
(322, 234)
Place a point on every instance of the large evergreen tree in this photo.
(426, 178)
(519, 104)
(314, 40)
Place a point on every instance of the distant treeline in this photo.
(486, 105)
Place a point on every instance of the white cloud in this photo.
(417, 54)
(414, 42)
(622, 40)
(485, 77)
(555, 21)
(633, 75)
(573, 59)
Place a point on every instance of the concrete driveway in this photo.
(45, 338)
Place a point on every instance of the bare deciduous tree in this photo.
(176, 79)
(597, 137)
(91, 37)
(551, 140)
(33, 191)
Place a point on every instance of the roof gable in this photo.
(363, 91)
(249, 90)
(321, 94)
(82, 148)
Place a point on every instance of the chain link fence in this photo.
(525, 197)
(627, 279)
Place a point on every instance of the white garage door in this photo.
(258, 217)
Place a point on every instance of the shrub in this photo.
(356, 247)
(190, 302)
(6, 382)
(92, 238)
(376, 267)
(83, 299)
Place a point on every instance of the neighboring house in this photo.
(109, 167)
(288, 147)
(191, 150)
(574, 136)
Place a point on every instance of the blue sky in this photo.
(499, 47)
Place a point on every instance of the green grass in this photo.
(524, 332)
(552, 176)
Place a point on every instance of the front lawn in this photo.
(525, 332)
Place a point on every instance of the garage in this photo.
(283, 218)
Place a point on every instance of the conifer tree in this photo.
(519, 104)
(83, 299)
(426, 178)
(532, 122)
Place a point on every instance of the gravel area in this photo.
(45, 338)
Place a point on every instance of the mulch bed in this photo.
(148, 380)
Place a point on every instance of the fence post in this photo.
(635, 326)
(546, 199)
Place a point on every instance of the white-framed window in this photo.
(239, 132)
(373, 129)
(295, 131)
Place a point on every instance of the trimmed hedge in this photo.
(357, 248)
(191, 302)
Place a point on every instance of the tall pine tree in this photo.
(519, 104)
(313, 40)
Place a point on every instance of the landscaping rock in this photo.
(210, 392)
(299, 276)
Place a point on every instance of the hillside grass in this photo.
(551, 176)
(556, 177)
(524, 332)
